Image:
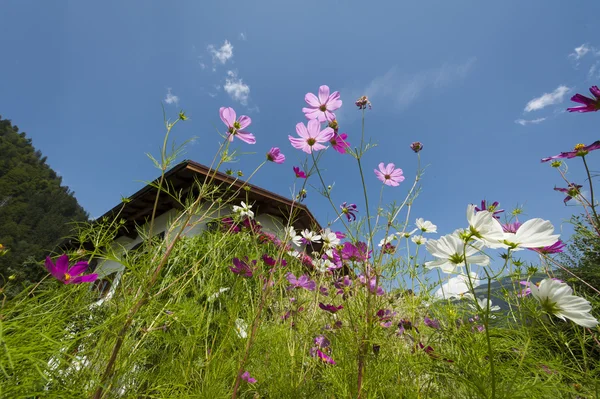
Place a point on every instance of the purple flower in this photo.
(580, 150)
(241, 267)
(301, 282)
(246, 377)
(324, 291)
(69, 275)
(555, 248)
(311, 136)
(404, 325)
(231, 225)
(490, 208)
(526, 291)
(321, 341)
(324, 357)
(300, 174)
(416, 146)
(571, 191)
(340, 235)
(339, 143)
(330, 308)
(268, 260)
(511, 227)
(363, 102)
(235, 126)
(321, 108)
(389, 175)
(275, 155)
(589, 104)
(373, 287)
(385, 317)
(431, 323)
(350, 211)
(388, 248)
(355, 253)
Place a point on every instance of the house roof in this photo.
(182, 177)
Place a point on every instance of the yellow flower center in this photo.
(237, 125)
(67, 276)
(333, 124)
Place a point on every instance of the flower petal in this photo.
(323, 94)
(227, 115)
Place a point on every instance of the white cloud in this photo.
(242, 36)
(170, 98)
(594, 72)
(202, 65)
(580, 52)
(400, 90)
(223, 54)
(546, 99)
(236, 88)
(525, 122)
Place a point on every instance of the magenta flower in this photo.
(275, 155)
(416, 146)
(490, 208)
(555, 248)
(431, 323)
(511, 227)
(235, 127)
(372, 283)
(230, 225)
(301, 282)
(324, 357)
(571, 191)
(385, 317)
(589, 104)
(242, 268)
(321, 108)
(526, 291)
(69, 275)
(299, 174)
(246, 377)
(331, 308)
(339, 143)
(389, 175)
(355, 253)
(580, 150)
(349, 210)
(311, 136)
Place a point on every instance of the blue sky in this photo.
(483, 85)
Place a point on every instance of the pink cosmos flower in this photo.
(275, 155)
(339, 143)
(69, 275)
(311, 136)
(301, 282)
(235, 127)
(321, 108)
(580, 150)
(389, 175)
(246, 377)
(299, 174)
(589, 104)
(331, 308)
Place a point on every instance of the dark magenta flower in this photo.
(331, 308)
(580, 150)
(493, 208)
(385, 317)
(340, 235)
(555, 248)
(363, 102)
(246, 377)
(324, 291)
(230, 225)
(589, 104)
(339, 143)
(300, 174)
(325, 358)
(69, 275)
(275, 155)
(349, 211)
(241, 267)
(571, 191)
(431, 323)
(301, 282)
(235, 127)
(416, 146)
(321, 108)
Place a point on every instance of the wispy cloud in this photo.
(525, 122)
(546, 99)
(242, 36)
(580, 52)
(171, 98)
(594, 72)
(236, 88)
(401, 90)
(222, 54)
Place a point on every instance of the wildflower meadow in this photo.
(375, 303)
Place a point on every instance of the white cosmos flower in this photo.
(450, 253)
(322, 265)
(457, 287)
(483, 304)
(405, 234)
(311, 236)
(330, 239)
(557, 298)
(217, 294)
(419, 240)
(484, 227)
(534, 233)
(387, 240)
(241, 328)
(243, 210)
(425, 226)
(296, 239)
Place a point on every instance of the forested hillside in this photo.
(35, 209)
